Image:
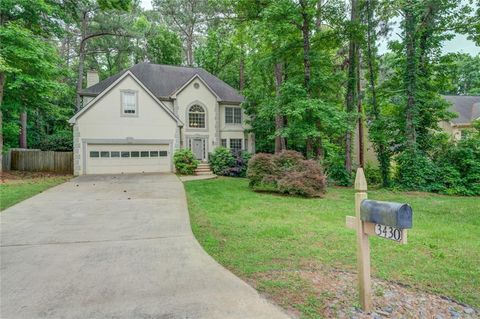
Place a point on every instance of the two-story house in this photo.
(134, 121)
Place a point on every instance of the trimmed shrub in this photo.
(287, 173)
(287, 160)
(185, 162)
(221, 160)
(307, 179)
(262, 172)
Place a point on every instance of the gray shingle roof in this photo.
(164, 80)
(467, 108)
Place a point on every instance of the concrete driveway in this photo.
(115, 247)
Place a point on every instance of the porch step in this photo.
(203, 169)
(204, 173)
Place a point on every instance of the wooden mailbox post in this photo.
(374, 218)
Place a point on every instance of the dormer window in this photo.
(129, 103)
(196, 117)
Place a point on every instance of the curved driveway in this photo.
(115, 247)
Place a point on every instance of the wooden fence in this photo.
(41, 161)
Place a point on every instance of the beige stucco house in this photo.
(135, 120)
(467, 109)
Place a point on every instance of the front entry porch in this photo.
(199, 147)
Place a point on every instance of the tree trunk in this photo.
(381, 147)
(81, 59)
(2, 83)
(351, 98)
(190, 50)
(280, 144)
(306, 46)
(22, 138)
(241, 75)
(361, 151)
(410, 77)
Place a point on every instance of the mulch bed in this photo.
(11, 177)
(338, 295)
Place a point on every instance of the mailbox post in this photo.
(387, 220)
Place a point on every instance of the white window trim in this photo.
(233, 115)
(122, 104)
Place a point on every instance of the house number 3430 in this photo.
(388, 232)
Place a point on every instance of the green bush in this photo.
(185, 162)
(224, 162)
(221, 160)
(59, 141)
(453, 167)
(288, 173)
(373, 175)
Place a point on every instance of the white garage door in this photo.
(114, 159)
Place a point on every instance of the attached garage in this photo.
(127, 158)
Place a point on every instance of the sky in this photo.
(458, 44)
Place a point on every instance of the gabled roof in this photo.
(164, 80)
(111, 85)
(467, 108)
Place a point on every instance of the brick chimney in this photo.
(92, 78)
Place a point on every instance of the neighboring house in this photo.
(467, 109)
(135, 120)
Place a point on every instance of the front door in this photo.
(197, 148)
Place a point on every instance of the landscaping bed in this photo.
(16, 186)
(299, 253)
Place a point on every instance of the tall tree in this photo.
(189, 18)
(351, 99)
(83, 12)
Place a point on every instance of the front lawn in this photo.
(17, 186)
(260, 237)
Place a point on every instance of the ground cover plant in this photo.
(18, 186)
(269, 239)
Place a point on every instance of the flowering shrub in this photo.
(224, 162)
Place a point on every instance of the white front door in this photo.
(118, 158)
(197, 148)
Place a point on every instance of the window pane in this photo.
(237, 118)
(236, 144)
(153, 153)
(125, 154)
(196, 120)
(129, 103)
(144, 154)
(224, 142)
(135, 154)
(104, 154)
(94, 154)
(163, 153)
(229, 115)
(114, 154)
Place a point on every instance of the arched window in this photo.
(196, 117)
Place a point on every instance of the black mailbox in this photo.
(392, 214)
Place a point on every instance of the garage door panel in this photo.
(112, 159)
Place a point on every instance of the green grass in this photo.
(253, 233)
(14, 192)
